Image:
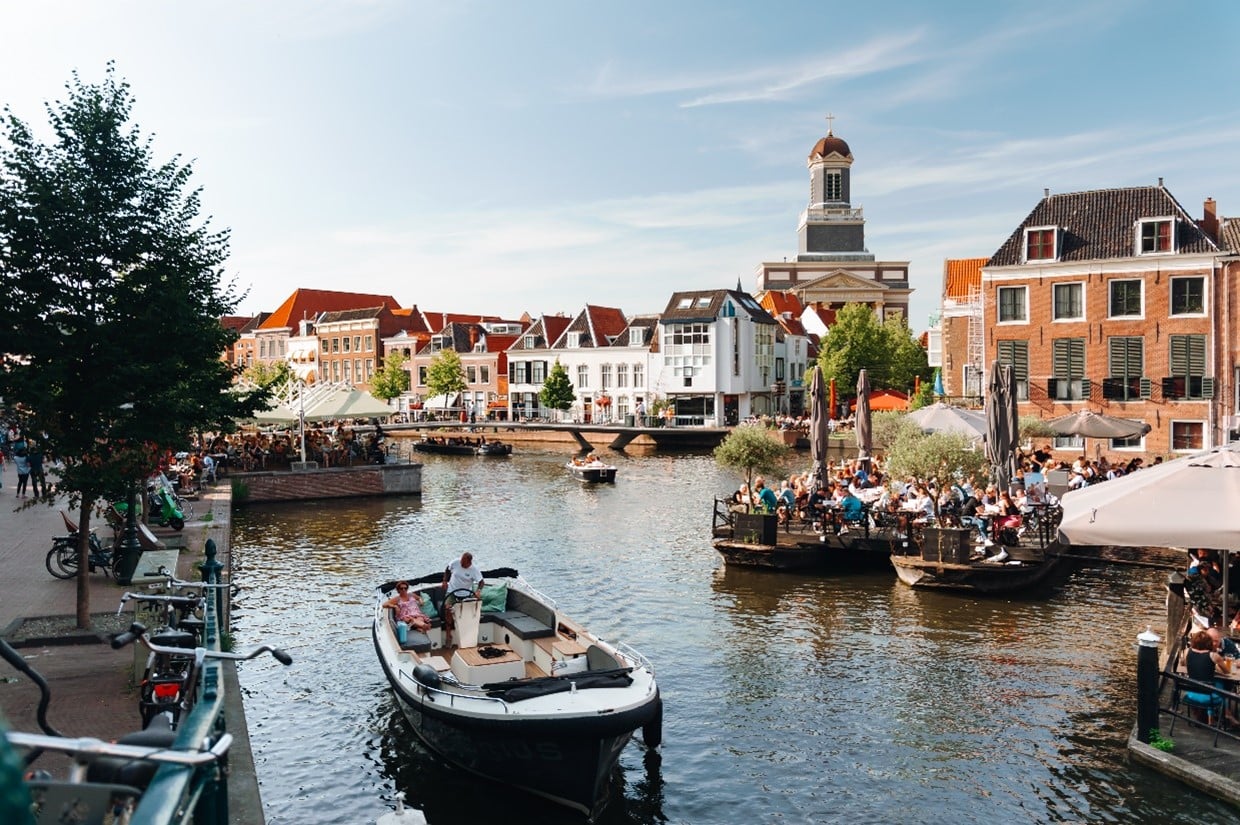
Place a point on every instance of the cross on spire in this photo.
(830, 120)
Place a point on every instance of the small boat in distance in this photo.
(592, 470)
(462, 445)
(526, 697)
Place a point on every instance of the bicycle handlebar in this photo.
(175, 601)
(174, 581)
(137, 631)
(93, 748)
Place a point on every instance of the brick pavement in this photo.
(91, 683)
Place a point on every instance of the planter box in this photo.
(755, 528)
(946, 544)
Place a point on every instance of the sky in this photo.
(501, 158)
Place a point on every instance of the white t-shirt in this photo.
(463, 578)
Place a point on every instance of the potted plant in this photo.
(944, 459)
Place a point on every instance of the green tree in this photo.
(445, 376)
(112, 298)
(392, 380)
(557, 391)
(888, 351)
(750, 450)
(942, 458)
(272, 374)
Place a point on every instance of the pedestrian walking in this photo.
(21, 462)
(34, 455)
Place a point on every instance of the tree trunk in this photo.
(83, 576)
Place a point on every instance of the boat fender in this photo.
(652, 731)
(427, 675)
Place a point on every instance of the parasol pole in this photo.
(301, 418)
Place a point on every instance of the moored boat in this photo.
(526, 697)
(1005, 570)
(592, 470)
(462, 445)
(494, 448)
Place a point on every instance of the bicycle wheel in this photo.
(62, 560)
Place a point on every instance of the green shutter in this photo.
(1085, 388)
(1147, 387)
(1207, 387)
(1179, 354)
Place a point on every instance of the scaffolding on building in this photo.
(974, 368)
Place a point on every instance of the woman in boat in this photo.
(408, 608)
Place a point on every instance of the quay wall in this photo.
(336, 482)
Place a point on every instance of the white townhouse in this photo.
(716, 362)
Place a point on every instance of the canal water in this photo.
(787, 698)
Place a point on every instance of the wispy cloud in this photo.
(780, 81)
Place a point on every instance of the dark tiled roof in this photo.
(1229, 235)
(645, 323)
(350, 315)
(1100, 225)
(707, 305)
(545, 330)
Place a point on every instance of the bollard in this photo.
(1147, 684)
(130, 548)
(211, 569)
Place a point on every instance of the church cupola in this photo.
(829, 163)
(831, 229)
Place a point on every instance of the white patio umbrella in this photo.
(1189, 502)
(945, 418)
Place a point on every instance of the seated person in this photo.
(819, 505)
(764, 498)
(408, 608)
(1224, 645)
(1201, 662)
(740, 500)
(852, 508)
(787, 501)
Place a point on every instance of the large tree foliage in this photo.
(445, 376)
(392, 379)
(112, 289)
(557, 391)
(942, 458)
(888, 351)
(272, 374)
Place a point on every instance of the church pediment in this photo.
(841, 280)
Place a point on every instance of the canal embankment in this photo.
(93, 692)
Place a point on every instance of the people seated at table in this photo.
(1202, 662)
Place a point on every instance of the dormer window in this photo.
(1155, 235)
(1041, 243)
(529, 342)
(637, 336)
(573, 340)
(481, 346)
(685, 303)
(703, 302)
(438, 342)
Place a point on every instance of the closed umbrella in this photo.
(1000, 437)
(864, 431)
(818, 429)
(1189, 502)
(833, 401)
(938, 383)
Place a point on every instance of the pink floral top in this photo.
(409, 608)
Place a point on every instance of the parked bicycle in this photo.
(175, 669)
(62, 559)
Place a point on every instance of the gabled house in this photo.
(272, 335)
(1114, 300)
(482, 350)
(716, 357)
(350, 343)
(585, 348)
(529, 362)
(795, 350)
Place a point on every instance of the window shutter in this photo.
(1196, 346)
(1062, 358)
(1117, 354)
(1179, 355)
(1147, 387)
(1207, 387)
(1086, 386)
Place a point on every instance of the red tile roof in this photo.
(307, 303)
(959, 274)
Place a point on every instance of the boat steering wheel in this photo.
(462, 594)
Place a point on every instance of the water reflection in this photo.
(788, 698)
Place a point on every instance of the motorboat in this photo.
(462, 445)
(942, 561)
(521, 694)
(592, 470)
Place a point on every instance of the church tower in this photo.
(831, 229)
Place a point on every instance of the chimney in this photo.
(473, 338)
(1209, 221)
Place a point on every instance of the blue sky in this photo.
(502, 157)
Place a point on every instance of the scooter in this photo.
(162, 499)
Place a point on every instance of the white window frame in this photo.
(572, 340)
(1110, 285)
(1205, 297)
(999, 305)
(1055, 317)
(637, 336)
(1055, 243)
(1138, 242)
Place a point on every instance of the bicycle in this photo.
(62, 559)
(175, 671)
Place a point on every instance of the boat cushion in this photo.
(521, 624)
(494, 598)
(415, 640)
(428, 606)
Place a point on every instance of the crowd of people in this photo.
(24, 454)
(340, 446)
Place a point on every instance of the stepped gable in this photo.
(310, 303)
(1099, 225)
